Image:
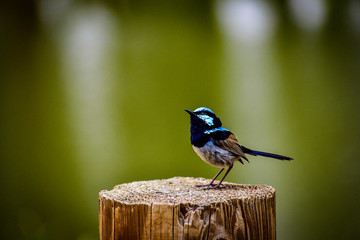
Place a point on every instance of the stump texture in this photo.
(176, 208)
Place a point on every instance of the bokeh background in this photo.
(92, 94)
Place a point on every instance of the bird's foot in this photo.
(205, 185)
(217, 186)
(211, 186)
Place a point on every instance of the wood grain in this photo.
(177, 209)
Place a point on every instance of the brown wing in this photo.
(231, 144)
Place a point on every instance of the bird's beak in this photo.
(191, 113)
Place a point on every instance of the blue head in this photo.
(204, 126)
(203, 119)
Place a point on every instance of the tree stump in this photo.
(176, 208)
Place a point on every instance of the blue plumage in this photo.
(216, 145)
(264, 154)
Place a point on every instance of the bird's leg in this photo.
(218, 185)
(212, 181)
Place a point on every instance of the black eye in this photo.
(207, 113)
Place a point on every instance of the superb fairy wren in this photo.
(216, 145)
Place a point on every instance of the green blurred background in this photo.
(92, 94)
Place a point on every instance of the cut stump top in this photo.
(180, 190)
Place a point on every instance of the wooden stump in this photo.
(176, 208)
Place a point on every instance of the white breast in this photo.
(215, 156)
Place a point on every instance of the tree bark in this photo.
(177, 209)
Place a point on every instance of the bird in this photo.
(218, 146)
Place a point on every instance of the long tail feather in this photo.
(264, 154)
